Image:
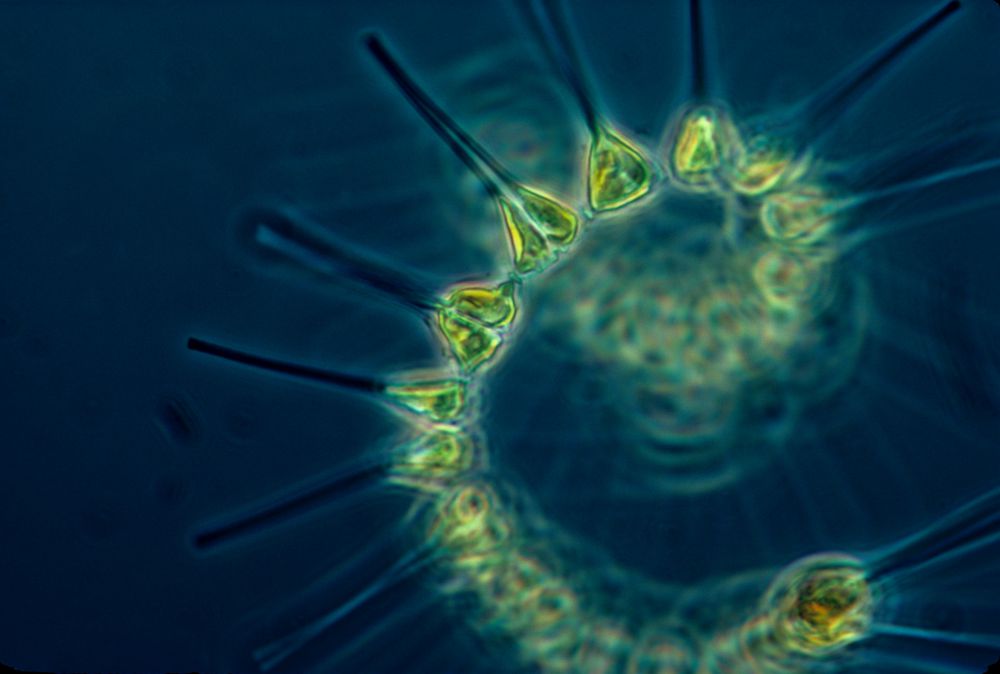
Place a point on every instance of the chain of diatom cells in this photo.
(717, 326)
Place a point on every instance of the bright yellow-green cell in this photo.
(530, 247)
(471, 342)
(618, 172)
(558, 222)
(696, 151)
(822, 605)
(491, 306)
(800, 215)
(442, 454)
(439, 399)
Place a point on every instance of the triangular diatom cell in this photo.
(558, 222)
(439, 399)
(618, 173)
(472, 343)
(531, 249)
(493, 307)
(696, 151)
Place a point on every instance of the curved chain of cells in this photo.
(715, 324)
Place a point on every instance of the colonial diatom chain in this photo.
(718, 329)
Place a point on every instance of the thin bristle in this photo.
(274, 234)
(828, 105)
(466, 148)
(698, 83)
(334, 378)
(557, 43)
(266, 516)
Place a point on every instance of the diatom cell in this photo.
(580, 337)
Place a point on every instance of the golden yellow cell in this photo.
(820, 604)
(472, 343)
(697, 152)
(442, 454)
(491, 306)
(530, 247)
(618, 172)
(440, 399)
(802, 215)
(558, 222)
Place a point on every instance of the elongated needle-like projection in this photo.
(428, 462)
(415, 618)
(538, 225)
(699, 80)
(989, 643)
(968, 529)
(618, 172)
(273, 654)
(934, 650)
(819, 114)
(284, 236)
(915, 185)
(471, 317)
(350, 482)
(438, 397)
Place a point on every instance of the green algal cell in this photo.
(471, 342)
(438, 399)
(696, 153)
(491, 306)
(443, 454)
(618, 173)
(558, 222)
(530, 247)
